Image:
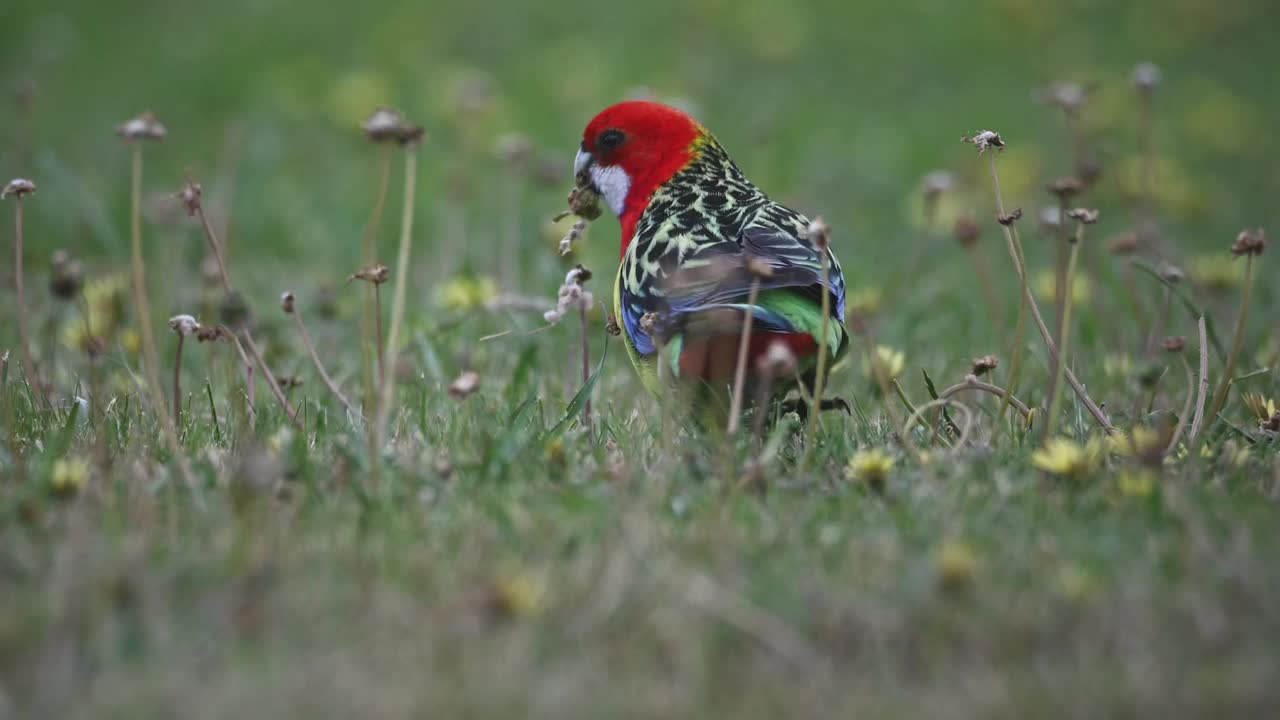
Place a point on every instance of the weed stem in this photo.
(177, 381)
(23, 329)
(402, 278)
(1186, 406)
(1237, 341)
(1064, 330)
(971, 382)
(296, 312)
(740, 371)
(1016, 254)
(143, 311)
(1203, 384)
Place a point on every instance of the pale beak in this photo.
(582, 163)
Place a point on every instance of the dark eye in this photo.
(611, 139)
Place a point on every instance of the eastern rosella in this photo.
(691, 225)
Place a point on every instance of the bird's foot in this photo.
(801, 408)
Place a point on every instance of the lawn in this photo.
(481, 540)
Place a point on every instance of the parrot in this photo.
(696, 235)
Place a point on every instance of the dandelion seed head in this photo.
(184, 325)
(19, 188)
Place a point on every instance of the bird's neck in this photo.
(706, 172)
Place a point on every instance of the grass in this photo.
(524, 556)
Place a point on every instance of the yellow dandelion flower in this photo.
(467, 292)
(280, 439)
(1216, 271)
(1075, 583)
(1141, 442)
(1067, 458)
(870, 466)
(104, 302)
(1262, 407)
(955, 562)
(554, 454)
(1044, 285)
(1234, 454)
(1117, 365)
(886, 364)
(1139, 482)
(69, 475)
(520, 594)
(131, 341)
(1181, 453)
(1175, 188)
(864, 301)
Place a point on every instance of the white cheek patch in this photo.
(614, 184)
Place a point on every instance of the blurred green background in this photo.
(839, 107)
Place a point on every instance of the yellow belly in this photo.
(645, 365)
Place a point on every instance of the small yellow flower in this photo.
(69, 475)
(520, 594)
(1139, 482)
(1075, 583)
(467, 292)
(131, 341)
(280, 439)
(956, 562)
(1117, 365)
(1069, 459)
(1181, 453)
(864, 301)
(870, 466)
(104, 303)
(886, 364)
(1216, 271)
(553, 454)
(1234, 454)
(1261, 407)
(1142, 442)
(1045, 287)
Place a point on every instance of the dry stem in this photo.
(397, 304)
(1203, 390)
(1064, 334)
(270, 378)
(248, 336)
(27, 358)
(740, 372)
(1015, 254)
(1061, 289)
(919, 413)
(177, 381)
(586, 356)
(1186, 407)
(1224, 385)
(371, 324)
(971, 382)
(143, 311)
(315, 358)
(377, 325)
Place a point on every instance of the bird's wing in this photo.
(702, 291)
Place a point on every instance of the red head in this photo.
(631, 149)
